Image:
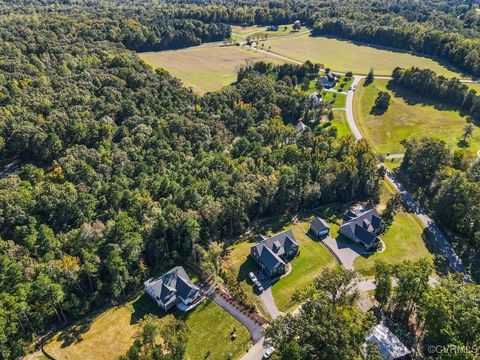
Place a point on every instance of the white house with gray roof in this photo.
(274, 252)
(362, 228)
(173, 288)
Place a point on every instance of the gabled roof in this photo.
(390, 345)
(172, 284)
(318, 225)
(270, 249)
(300, 126)
(362, 227)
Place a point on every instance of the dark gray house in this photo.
(274, 252)
(319, 227)
(363, 228)
(173, 288)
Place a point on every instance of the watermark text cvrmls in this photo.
(453, 349)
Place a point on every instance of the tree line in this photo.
(425, 82)
(449, 185)
(458, 50)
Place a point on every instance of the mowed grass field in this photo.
(343, 55)
(407, 117)
(403, 240)
(207, 67)
(109, 334)
(259, 32)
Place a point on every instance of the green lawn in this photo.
(339, 122)
(403, 239)
(109, 334)
(207, 67)
(408, 116)
(339, 100)
(343, 55)
(306, 267)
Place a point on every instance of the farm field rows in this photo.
(207, 67)
(408, 116)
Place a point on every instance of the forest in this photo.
(121, 170)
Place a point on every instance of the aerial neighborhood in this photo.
(239, 180)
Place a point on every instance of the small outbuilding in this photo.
(390, 346)
(297, 25)
(319, 227)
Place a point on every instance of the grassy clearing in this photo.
(404, 239)
(207, 67)
(342, 55)
(261, 32)
(109, 334)
(409, 116)
(338, 100)
(340, 122)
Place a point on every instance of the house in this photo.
(297, 25)
(300, 127)
(319, 227)
(272, 27)
(390, 346)
(314, 100)
(362, 228)
(173, 288)
(274, 252)
(328, 81)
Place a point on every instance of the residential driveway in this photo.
(267, 299)
(255, 330)
(255, 352)
(345, 252)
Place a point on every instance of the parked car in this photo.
(268, 352)
(258, 285)
(252, 277)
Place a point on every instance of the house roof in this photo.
(172, 284)
(318, 224)
(390, 345)
(362, 227)
(300, 126)
(270, 249)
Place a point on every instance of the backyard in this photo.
(408, 116)
(109, 334)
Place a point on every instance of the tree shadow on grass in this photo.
(73, 334)
(145, 305)
(441, 62)
(411, 98)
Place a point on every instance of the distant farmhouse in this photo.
(173, 288)
(390, 346)
(328, 81)
(314, 100)
(272, 27)
(297, 25)
(362, 228)
(300, 127)
(274, 252)
(319, 227)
